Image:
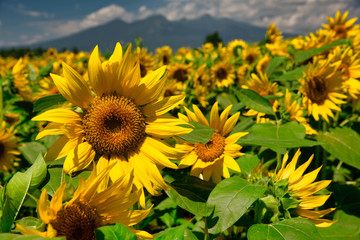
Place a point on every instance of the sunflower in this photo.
(202, 77)
(273, 34)
(250, 54)
(89, 209)
(21, 82)
(145, 59)
(350, 67)
(340, 26)
(180, 72)
(320, 88)
(304, 188)
(222, 73)
(124, 122)
(212, 159)
(47, 87)
(261, 85)
(163, 55)
(235, 46)
(296, 114)
(262, 64)
(8, 146)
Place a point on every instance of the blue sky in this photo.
(24, 22)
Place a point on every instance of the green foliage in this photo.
(342, 143)
(48, 102)
(114, 232)
(346, 227)
(229, 200)
(213, 38)
(200, 133)
(289, 229)
(17, 188)
(254, 101)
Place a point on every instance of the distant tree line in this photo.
(21, 52)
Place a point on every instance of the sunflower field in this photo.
(225, 141)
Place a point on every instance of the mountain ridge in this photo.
(157, 31)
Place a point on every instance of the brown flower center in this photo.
(340, 31)
(77, 222)
(212, 150)
(316, 89)
(180, 75)
(221, 73)
(114, 125)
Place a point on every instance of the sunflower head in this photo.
(273, 34)
(145, 59)
(8, 148)
(302, 188)
(20, 79)
(213, 158)
(342, 27)
(89, 208)
(163, 55)
(223, 74)
(180, 72)
(320, 87)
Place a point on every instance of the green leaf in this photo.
(305, 55)
(289, 229)
(247, 163)
(254, 101)
(274, 63)
(10, 236)
(226, 99)
(292, 75)
(229, 200)
(45, 71)
(175, 233)
(277, 138)
(17, 188)
(31, 150)
(191, 194)
(200, 133)
(114, 232)
(347, 227)
(343, 144)
(48, 102)
(30, 222)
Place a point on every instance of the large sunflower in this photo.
(320, 87)
(8, 148)
(212, 159)
(304, 187)
(89, 209)
(124, 122)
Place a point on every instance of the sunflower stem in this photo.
(206, 230)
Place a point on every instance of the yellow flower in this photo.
(8, 148)
(123, 123)
(20, 80)
(273, 34)
(222, 73)
(340, 26)
(320, 88)
(89, 209)
(163, 55)
(180, 72)
(236, 46)
(350, 67)
(250, 54)
(296, 114)
(212, 159)
(145, 59)
(261, 85)
(304, 187)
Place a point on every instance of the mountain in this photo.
(157, 31)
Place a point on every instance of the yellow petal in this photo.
(151, 150)
(200, 116)
(101, 165)
(140, 172)
(313, 188)
(299, 171)
(43, 207)
(96, 74)
(151, 86)
(117, 54)
(73, 87)
(234, 137)
(214, 117)
(51, 129)
(57, 199)
(306, 180)
(188, 160)
(223, 116)
(230, 123)
(61, 148)
(130, 218)
(290, 168)
(59, 115)
(161, 106)
(322, 223)
(141, 233)
(229, 162)
(79, 158)
(313, 201)
(313, 214)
